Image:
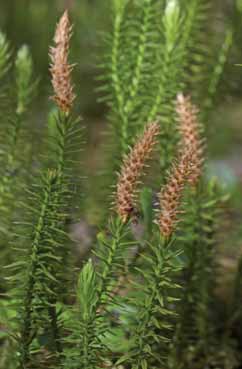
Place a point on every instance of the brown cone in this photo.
(60, 69)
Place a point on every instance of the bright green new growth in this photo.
(87, 291)
(83, 327)
(96, 297)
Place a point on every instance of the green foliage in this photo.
(95, 296)
(84, 325)
(151, 53)
(24, 85)
(153, 312)
(46, 266)
(87, 291)
(141, 300)
(127, 69)
(42, 270)
(216, 74)
(18, 95)
(198, 16)
(195, 333)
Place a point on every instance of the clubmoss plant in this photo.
(13, 164)
(47, 252)
(152, 47)
(144, 295)
(110, 255)
(153, 311)
(195, 336)
(195, 329)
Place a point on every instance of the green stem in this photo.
(88, 337)
(115, 74)
(50, 203)
(26, 331)
(195, 324)
(55, 329)
(140, 58)
(216, 75)
(10, 160)
(147, 312)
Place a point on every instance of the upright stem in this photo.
(50, 202)
(26, 331)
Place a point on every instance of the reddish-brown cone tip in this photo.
(189, 128)
(133, 169)
(60, 69)
(170, 195)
